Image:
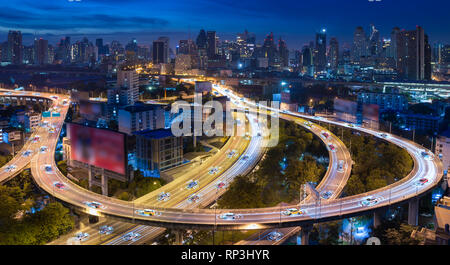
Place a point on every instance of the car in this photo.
(27, 153)
(350, 125)
(383, 135)
(341, 166)
(131, 236)
(220, 185)
(35, 139)
(370, 201)
(293, 212)
(422, 182)
(51, 130)
(426, 155)
(106, 229)
(43, 149)
(307, 124)
(60, 185)
(148, 212)
(164, 196)
(10, 168)
(332, 148)
(82, 236)
(284, 111)
(193, 198)
(232, 153)
(230, 216)
(48, 168)
(192, 184)
(274, 236)
(325, 134)
(213, 170)
(326, 195)
(95, 205)
(245, 157)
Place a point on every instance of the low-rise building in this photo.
(140, 117)
(32, 121)
(157, 150)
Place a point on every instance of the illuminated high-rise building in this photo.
(14, 51)
(414, 55)
(359, 48)
(334, 53)
(320, 58)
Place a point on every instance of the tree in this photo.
(354, 186)
(401, 236)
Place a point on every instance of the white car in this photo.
(193, 198)
(274, 236)
(341, 166)
(192, 184)
(27, 153)
(164, 196)
(230, 216)
(43, 149)
(95, 205)
(370, 201)
(232, 153)
(106, 230)
(10, 168)
(133, 236)
(82, 236)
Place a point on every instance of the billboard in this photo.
(98, 147)
(345, 109)
(371, 112)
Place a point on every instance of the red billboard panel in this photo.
(98, 147)
(371, 112)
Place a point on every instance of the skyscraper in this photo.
(269, 49)
(161, 50)
(41, 51)
(414, 55)
(201, 39)
(320, 60)
(186, 47)
(211, 44)
(14, 52)
(283, 52)
(359, 48)
(374, 42)
(334, 53)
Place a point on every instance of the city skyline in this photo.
(144, 24)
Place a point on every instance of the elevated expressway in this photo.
(403, 190)
(37, 139)
(209, 192)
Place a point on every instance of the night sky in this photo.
(296, 21)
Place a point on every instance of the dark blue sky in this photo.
(294, 20)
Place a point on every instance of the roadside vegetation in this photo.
(281, 172)
(24, 220)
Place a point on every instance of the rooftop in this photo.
(155, 134)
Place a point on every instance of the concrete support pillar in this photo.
(306, 230)
(377, 217)
(178, 237)
(413, 211)
(90, 177)
(104, 183)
